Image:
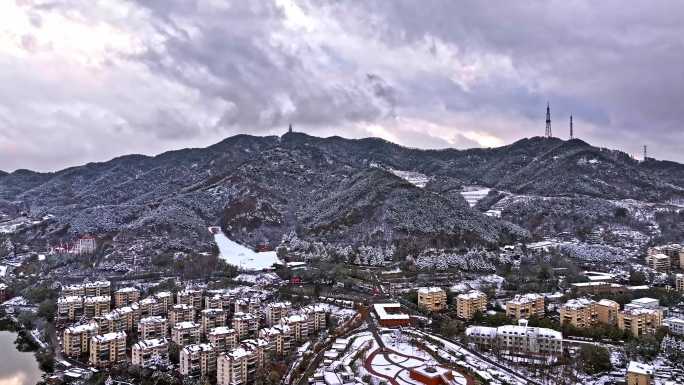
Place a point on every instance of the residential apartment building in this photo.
(223, 339)
(185, 333)
(150, 352)
(69, 308)
(76, 339)
(279, 339)
(245, 324)
(126, 296)
(640, 321)
(639, 374)
(88, 289)
(152, 328)
(122, 319)
(108, 349)
(190, 297)
(526, 305)
(580, 313)
(518, 339)
(213, 302)
(674, 251)
(212, 318)
(607, 312)
(276, 311)
(251, 306)
(198, 360)
(470, 303)
(432, 298)
(181, 313)
(674, 325)
(239, 366)
(317, 317)
(165, 300)
(659, 262)
(96, 306)
(150, 307)
(679, 282)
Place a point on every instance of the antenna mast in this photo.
(571, 133)
(548, 133)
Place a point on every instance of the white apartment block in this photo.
(517, 339)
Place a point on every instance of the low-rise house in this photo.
(391, 315)
(639, 374)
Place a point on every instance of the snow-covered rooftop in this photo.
(639, 368)
(381, 311)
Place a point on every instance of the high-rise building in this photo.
(198, 360)
(223, 339)
(151, 352)
(152, 328)
(185, 333)
(96, 306)
(679, 282)
(108, 349)
(239, 366)
(76, 339)
(126, 296)
(181, 313)
(245, 324)
(190, 297)
(212, 318)
(275, 311)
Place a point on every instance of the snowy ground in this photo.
(473, 194)
(415, 178)
(243, 257)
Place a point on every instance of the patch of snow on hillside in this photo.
(236, 254)
(473, 194)
(415, 178)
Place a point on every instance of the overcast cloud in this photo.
(88, 80)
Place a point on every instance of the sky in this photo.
(89, 80)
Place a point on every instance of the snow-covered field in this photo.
(415, 178)
(243, 257)
(473, 194)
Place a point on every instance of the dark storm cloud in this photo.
(93, 80)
